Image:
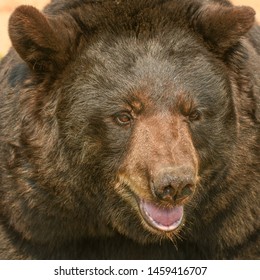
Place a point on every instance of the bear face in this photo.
(120, 127)
(150, 137)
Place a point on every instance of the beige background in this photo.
(7, 6)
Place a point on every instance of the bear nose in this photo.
(174, 184)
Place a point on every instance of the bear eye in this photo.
(195, 115)
(123, 118)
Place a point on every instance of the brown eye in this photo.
(195, 116)
(123, 118)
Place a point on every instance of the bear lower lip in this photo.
(162, 218)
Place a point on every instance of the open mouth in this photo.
(161, 218)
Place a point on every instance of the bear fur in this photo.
(130, 130)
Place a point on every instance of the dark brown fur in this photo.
(104, 104)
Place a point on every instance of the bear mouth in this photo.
(161, 218)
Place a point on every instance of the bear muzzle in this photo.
(171, 187)
(160, 170)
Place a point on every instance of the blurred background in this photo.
(7, 6)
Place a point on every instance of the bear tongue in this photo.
(166, 219)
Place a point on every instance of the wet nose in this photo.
(174, 184)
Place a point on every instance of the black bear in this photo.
(130, 130)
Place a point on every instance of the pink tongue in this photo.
(162, 218)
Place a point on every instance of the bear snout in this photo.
(173, 184)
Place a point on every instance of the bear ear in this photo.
(40, 41)
(222, 26)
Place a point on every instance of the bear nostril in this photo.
(165, 193)
(187, 190)
(184, 192)
(175, 194)
(168, 191)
